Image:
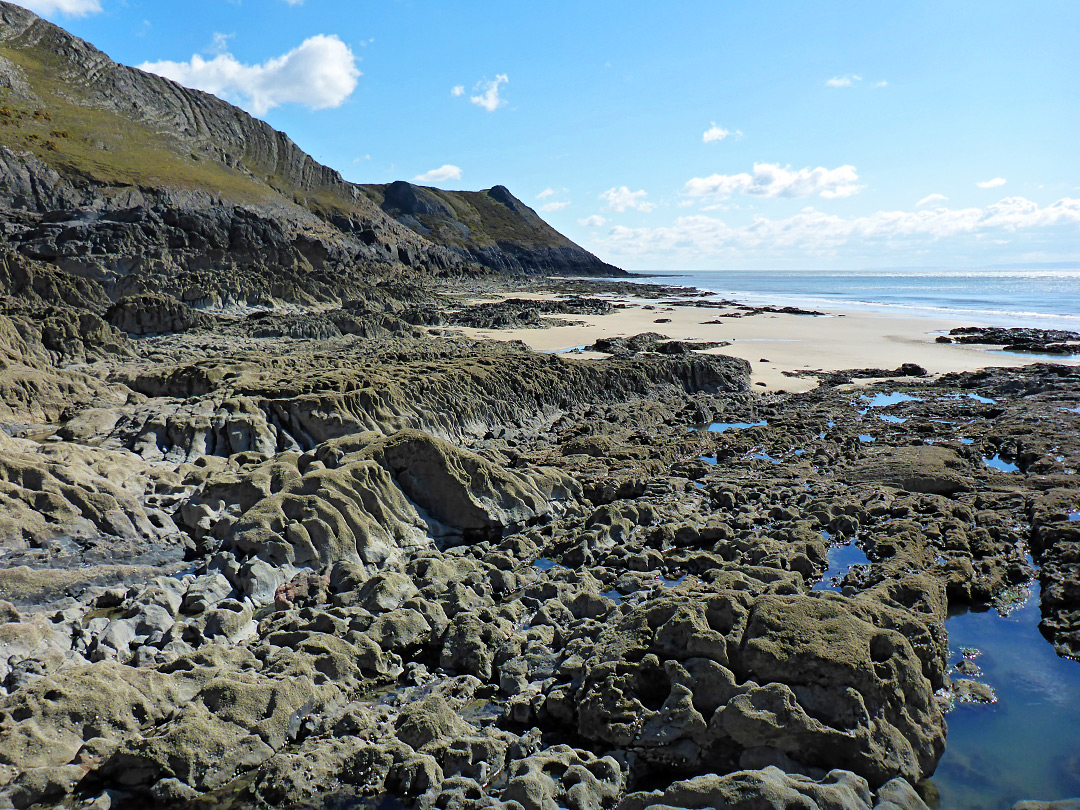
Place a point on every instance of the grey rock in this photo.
(754, 790)
(898, 794)
(205, 592)
(259, 581)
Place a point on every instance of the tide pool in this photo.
(1027, 744)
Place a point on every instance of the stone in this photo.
(205, 592)
(933, 469)
(767, 788)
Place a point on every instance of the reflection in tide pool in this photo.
(721, 427)
(544, 564)
(998, 463)
(840, 560)
(1027, 745)
(976, 397)
(763, 456)
(884, 400)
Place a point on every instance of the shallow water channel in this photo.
(1027, 744)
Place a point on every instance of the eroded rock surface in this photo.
(275, 533)
(285, 570)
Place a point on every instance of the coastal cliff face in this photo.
(143, 185)
(491, 227)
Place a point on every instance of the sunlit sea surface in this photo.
(1044, 298)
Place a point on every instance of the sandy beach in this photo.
(775, 343)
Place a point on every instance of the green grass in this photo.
(101, 145)
(489, 221)
(84, 140)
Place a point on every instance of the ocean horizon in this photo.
(1047, 298)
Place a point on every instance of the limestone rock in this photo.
(751, 790)
(930, 469)
(464, 491)
(150, 314)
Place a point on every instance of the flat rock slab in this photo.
(928, 469)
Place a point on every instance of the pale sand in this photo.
(774, 343)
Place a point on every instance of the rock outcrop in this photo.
(491, 227)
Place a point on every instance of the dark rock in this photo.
(151, 314)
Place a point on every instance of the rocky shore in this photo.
(292, 517)
(322, 558)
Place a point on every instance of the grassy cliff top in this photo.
(478, 219)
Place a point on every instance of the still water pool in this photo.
(841, 558)
(1027, 744)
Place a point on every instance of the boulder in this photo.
(464, 491)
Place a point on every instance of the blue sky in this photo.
(704, 135)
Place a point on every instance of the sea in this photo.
(1045, 298)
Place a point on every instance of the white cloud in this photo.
(843, 81)
(457, 90)
(715, 133)
(295, 2)
(693, 237)
(882, 83)
(547, 192)
(554, 206)
(220, 43)
(995, 183)
(622, 198)
(930, 198)
(320, 73)
(772, 180)
(72, 8)
(595, 221)
(488, 93)
(439, 175)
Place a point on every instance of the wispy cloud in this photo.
(595, 221)
(547, 192)
(320, 73)
(622, 198)
(487, 93)
(773, 180)
(931, 198)
(555, 206)
(717, 133)
(70, 8)
(996, 182)
(457, 90)
(439, 175)
(843, 81)
(811, 230)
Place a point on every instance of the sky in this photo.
(704, 135)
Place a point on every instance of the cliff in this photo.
(491, 227)
(143, 185)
